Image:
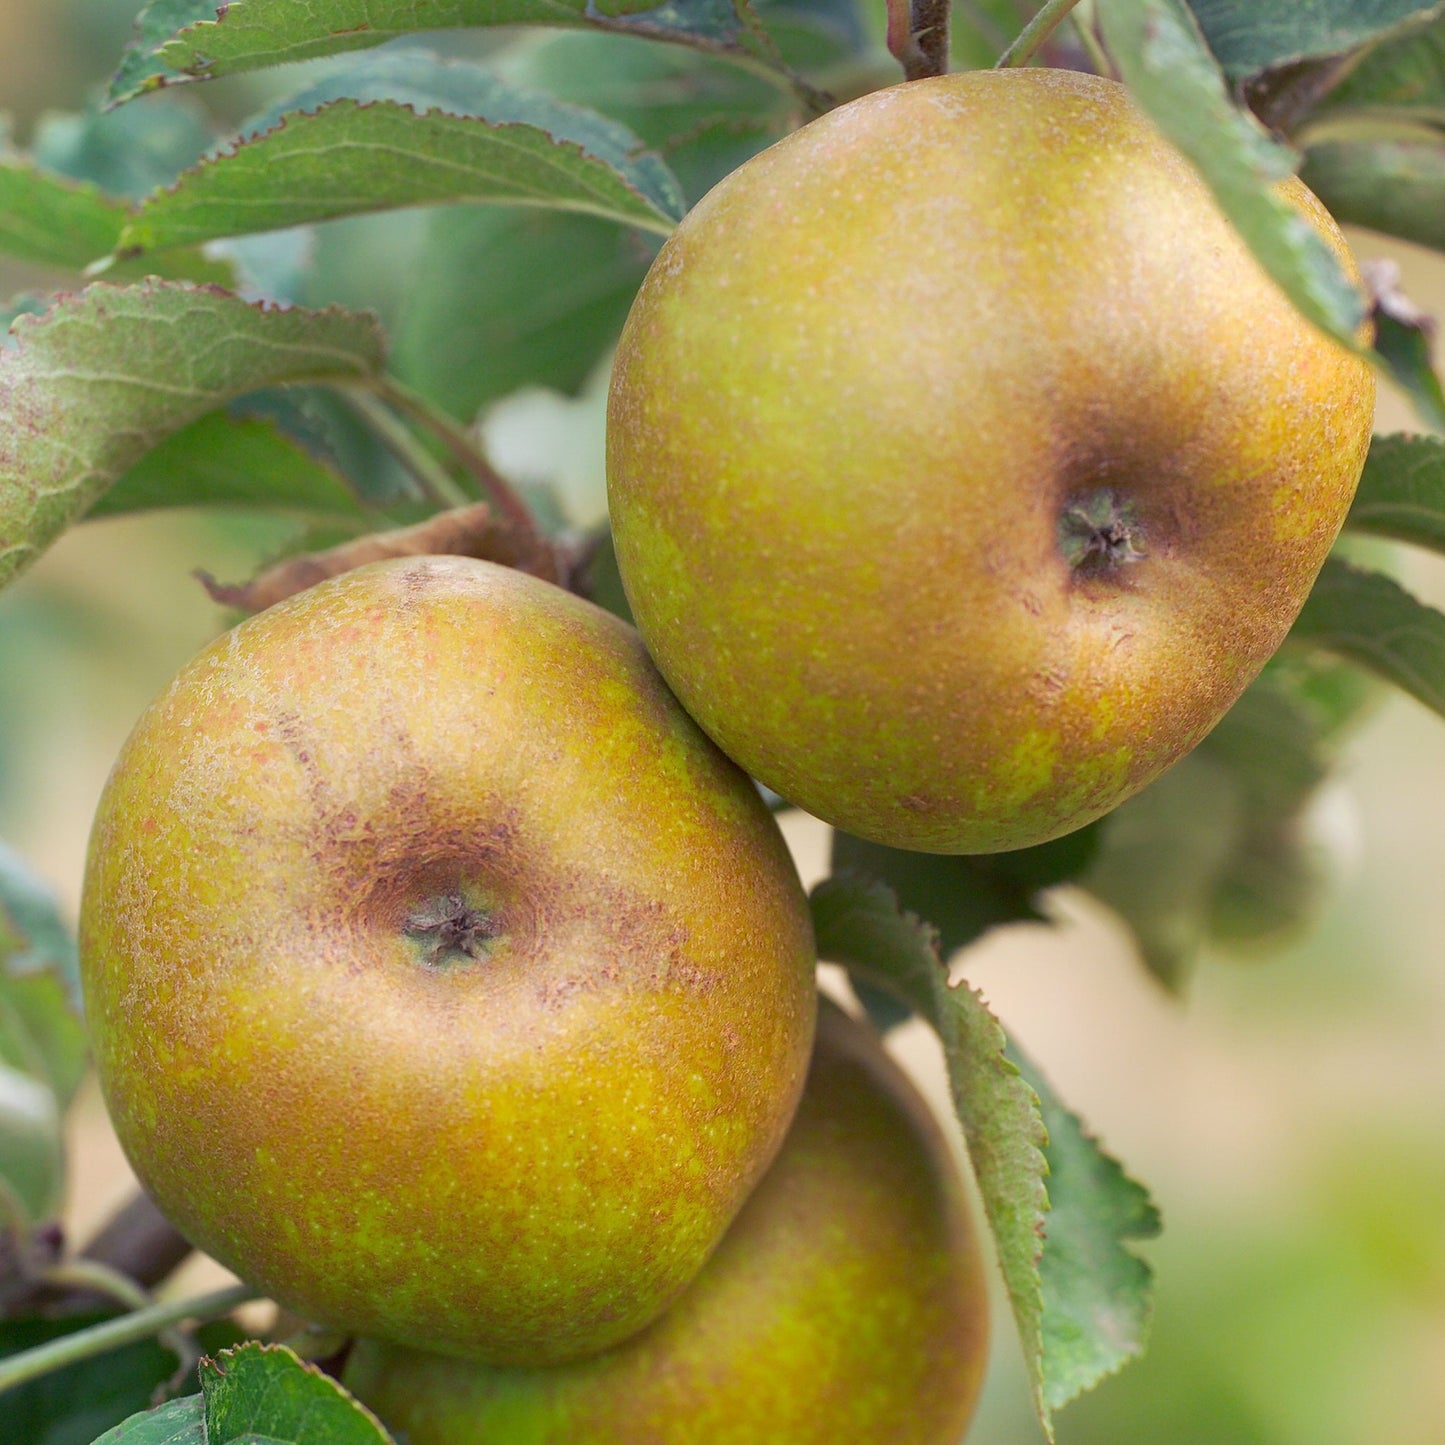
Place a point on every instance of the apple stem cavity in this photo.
(447, 928)
(1100, 532)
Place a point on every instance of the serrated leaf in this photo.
(224, 460)
(74, 1404)
(109, 373)
(963, 896)
(1248, 37)
(49, 220)
(265, 1392)
(1371, 620)
(77, 1402)
(1393, 186)
(408, 130)
(1164, 60)
(141, 67)
(859, 925)
(1096, 1290)
(1402, 491)
(186, 40)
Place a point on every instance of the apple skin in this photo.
(847, 1302)
(521, 1155)
(866, 383)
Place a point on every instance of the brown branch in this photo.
(918, 36)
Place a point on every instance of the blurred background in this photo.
(1288, 1113)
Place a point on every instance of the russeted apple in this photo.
(444, 980)
(963, 463)
(847, 1303)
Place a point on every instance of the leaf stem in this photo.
(1031, 38)
(429, 474)
(1089, 39)
(96, 1278)
(454, 437)
(113, 1334)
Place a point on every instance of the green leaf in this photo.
(705, 117)
(1248, 37)
(42, 1041)
(981, 30)
(74, 1404)
(141, 67)
(109, 373)
(1218, 847)
(1166, 64)
(128, 152)
(859, 925)
(225, 460)
(1096, 1290)
(1371, 620)
(1274, 744)
(54, 222)
(410, 130)
(1400, 79)
(185, 40)
(32, 1151)
(181, 1422)
(1402, 491)
(265, 1392)
(1403, 343)
(51, 221)
(34, 939)
(1080, 1299)
(964, 896)
(1394, 186)
(505, 298)
(1164, 852)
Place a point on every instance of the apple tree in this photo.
(307, 299)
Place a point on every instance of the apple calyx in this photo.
(1099, 532)
(448, 927)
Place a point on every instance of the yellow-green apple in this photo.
(444, 980)
(847, 1302)
(963, 463)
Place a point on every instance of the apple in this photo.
(964, 465)
(847, 1302)
(444, 981)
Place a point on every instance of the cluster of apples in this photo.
(448, 976)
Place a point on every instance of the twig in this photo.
(113, 1334)
(1032, 37)
(918, 36)
(90, 1277)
